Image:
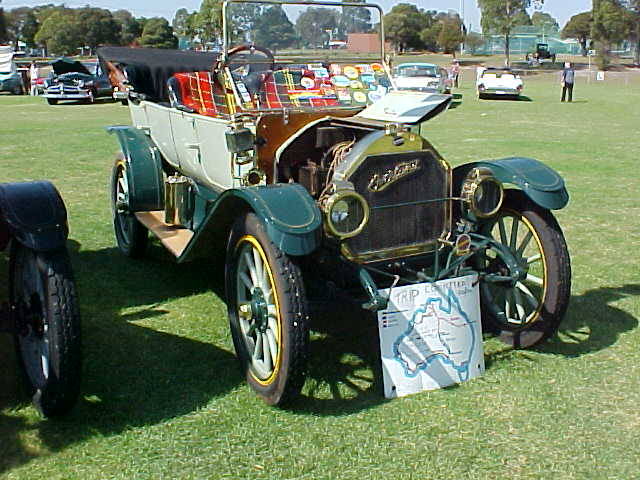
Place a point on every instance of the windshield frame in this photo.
(226, 3)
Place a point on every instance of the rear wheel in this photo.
(131, 235)
(267, 312)
(530, 311)
(43, 300)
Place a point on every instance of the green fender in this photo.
(290, 215)
(540, 183)
(143, 164)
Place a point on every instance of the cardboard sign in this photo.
(431, 336)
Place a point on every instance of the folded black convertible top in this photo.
(148, 69)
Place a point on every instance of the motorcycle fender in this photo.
(290, 215)
(143, 163)
(539, 182)
(34, 214)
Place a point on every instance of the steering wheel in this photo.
(254, 63)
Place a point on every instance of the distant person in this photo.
(568, 78)
(33, 78)
(479, 71)
(455, 72)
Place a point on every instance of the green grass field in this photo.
(163, 397)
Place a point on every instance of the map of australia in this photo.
(430, 336)
(438, 331)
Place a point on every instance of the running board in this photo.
(175, 239)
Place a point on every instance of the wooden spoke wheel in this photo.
(528, 311)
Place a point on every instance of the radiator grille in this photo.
(408, 212)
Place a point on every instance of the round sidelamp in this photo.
(483, 193)
(347, 213)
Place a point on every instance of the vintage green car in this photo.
(42, 314)
(296, 163)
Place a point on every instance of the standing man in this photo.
(568, 77)
(455, 73)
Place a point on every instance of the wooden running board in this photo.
(175, 239)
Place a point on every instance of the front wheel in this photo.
(43, 301)
(267, 312)
(531, 310)
(52, 101)
(132, 237)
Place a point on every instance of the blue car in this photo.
(10, 79)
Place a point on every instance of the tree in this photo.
(130, 28)
(502, 16)
(403, 26)
(354, 20)
(473, 41)
(60, 33)
(544, 20)
(22, 25)
(314, 24)
(274, 29)
(180, 22)
(158, 33)
(450, 35)
(579, 27)
(98, 27)
(3, 27)
(209, 20)
(633, 9)
(610, 26)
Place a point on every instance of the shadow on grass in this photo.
(592, 323)
(344, 373)
(132, 375)
(456, 100)
(505, 98)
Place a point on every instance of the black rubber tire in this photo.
(52, 101)
(287, 377)
(131, 236)
(553, 296)
(45, 282)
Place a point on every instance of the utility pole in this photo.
(462, 25)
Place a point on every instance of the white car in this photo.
(499, 81)
(421, 77)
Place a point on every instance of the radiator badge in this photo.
(380, 182)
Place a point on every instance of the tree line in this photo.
(66, 31)
(608, 23)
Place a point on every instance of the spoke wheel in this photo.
(267, 312)
(43, 302)
(131, 235)
(529, 310)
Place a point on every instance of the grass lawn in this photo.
(163, 398)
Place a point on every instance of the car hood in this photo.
(66, 65)
(416, 82)
(73, 77)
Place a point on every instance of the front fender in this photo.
(143, 164)
(34, 214)
(539, 182)
(290, 215)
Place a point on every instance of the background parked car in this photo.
(422, 77)
(499, 81)
(74, 80)
(39, 76)
(10, 79)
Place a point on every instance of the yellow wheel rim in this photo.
(258, 310)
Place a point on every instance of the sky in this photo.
(561, 10)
